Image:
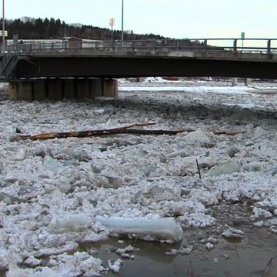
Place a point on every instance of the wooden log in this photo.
(105, 132)
(227, 133)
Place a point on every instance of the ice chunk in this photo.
(199, 137)
(209, 246)
(157, 229)
(69, 223)
(51, 164)
(232, 233)
(227, 168)
(14, 271)
(115, 266)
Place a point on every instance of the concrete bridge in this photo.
(89, 69)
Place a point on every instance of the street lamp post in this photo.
(122, 22)
(3, 28)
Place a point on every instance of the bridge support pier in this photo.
(247, 81)
(58, 89)
(234, 82)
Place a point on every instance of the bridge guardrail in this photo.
(150, 47)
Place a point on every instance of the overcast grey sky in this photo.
(173, 18)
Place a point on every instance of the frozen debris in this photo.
(69, 223)
(69, 247)
(197, 219)
(274, 172)
(128, 249)
(199, 138)
(182, 251)
(159, 193)
(125, 252)
(259, 132)
(227, 168)
(127, 256)
(156, 229)
(78, 264)
(114, 181)
(7, 199)
(259, 224)
(271, 222)
(115, 266)
(252, 167)
(260, 213)
(186, 250)
(31, 261)
(209, 246)
(212, 240)
(226, 256)
(203, 241)
(273, 229)
(99, 112)
(233, 151)
(81, 155)
(182, 154)
(52, 164)
(232, 233)
(14, 271)
(92, 236)
(172, 252)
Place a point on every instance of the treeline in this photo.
(56, 29)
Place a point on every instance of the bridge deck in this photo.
(135, 59)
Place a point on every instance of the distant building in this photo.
(26, 19)
(77, 25)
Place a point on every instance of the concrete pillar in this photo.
(13, 89)
(110, 88)
(82, 88)
(96, 89)
(247, 81)
(39, 87)
(57, 89)
(234, 82)
(54, 89)
(25, 91)
(69, 88)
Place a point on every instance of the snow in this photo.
(201, 89)
(51, 192)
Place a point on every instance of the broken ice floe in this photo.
(227, 168)
(69, 223)
(115, 266)
(182, 251)
(165, 229)
(232, 233)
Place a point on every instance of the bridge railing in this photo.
(150, 47)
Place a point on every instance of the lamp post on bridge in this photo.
(122, 22)
(3, 28)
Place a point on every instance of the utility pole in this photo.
(122, 22)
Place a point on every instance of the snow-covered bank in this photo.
(52, 191)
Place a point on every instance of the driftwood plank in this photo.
(105, 132)
(227, 133)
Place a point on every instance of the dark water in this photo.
(255, 255)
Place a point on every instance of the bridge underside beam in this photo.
(66, 88)
(119, 67)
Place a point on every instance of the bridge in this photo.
(88, 69)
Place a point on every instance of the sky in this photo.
(170, 18)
